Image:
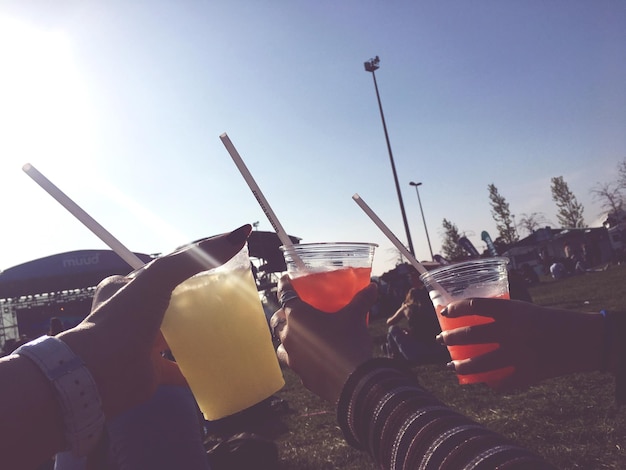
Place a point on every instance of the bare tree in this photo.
(609, 195)
(570, 211)
(533, 221)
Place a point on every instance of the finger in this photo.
(283, 357)
(477, 306)
(485, 362)
(278, 321)
(476, 334)
(290, 302)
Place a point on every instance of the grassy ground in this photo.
(571, 421)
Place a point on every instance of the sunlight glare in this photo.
(44, 110)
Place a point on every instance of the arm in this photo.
(381, 407)
(384, 411)
(538, 342)
(116, 344)
(396, 317)
(31, 425)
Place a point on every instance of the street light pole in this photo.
(417, 185)
(371, 66)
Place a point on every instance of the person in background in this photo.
(416, 343)
(56, 326)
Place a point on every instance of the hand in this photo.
(324, 348)
(539, 342)
(167, 372)
(119, 338)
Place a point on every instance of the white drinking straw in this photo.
(258, 194)
(397, 243)
(131, 258)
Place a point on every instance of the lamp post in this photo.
(371, 66)
(417, 185)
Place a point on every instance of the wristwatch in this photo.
(77, 392)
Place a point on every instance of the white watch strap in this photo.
(77, 391)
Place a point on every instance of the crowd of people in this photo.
(118, 371)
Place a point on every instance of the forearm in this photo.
(577, 345)
(384, 411)
(396, 317)
(31, 425)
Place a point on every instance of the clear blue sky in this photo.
(121, 104)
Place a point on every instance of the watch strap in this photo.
(77, 392)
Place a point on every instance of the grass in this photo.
(571, 421)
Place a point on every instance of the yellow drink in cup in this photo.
(219, 336)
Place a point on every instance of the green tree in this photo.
(450, 246)
(502, 216)
(570, 211)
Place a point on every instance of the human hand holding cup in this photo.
(485, 277)
(323, 349)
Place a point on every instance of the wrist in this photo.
(75, 391)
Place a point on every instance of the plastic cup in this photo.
(219, 336)
(486, 277)
(328, 275)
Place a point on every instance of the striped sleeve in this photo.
(383, 410)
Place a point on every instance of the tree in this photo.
(609, 195)
(533, 221)
(450, 246)
(502, 216)
(570, 211)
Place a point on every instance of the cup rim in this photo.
(461, 264)
(295, 246)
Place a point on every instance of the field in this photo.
(572, 421)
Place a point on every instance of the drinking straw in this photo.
(258, 194)
(131, 258)
(397, 243)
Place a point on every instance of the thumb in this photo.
(168, 271)
(283, 357)
(150, 288)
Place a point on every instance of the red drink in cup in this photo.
(486, 277)
(328, 275)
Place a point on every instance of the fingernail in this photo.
(444, 312)
(450, 365)
(237, 236)
(439, 338)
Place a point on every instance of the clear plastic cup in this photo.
(219, 336)
(328, 275)
(485, 277)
